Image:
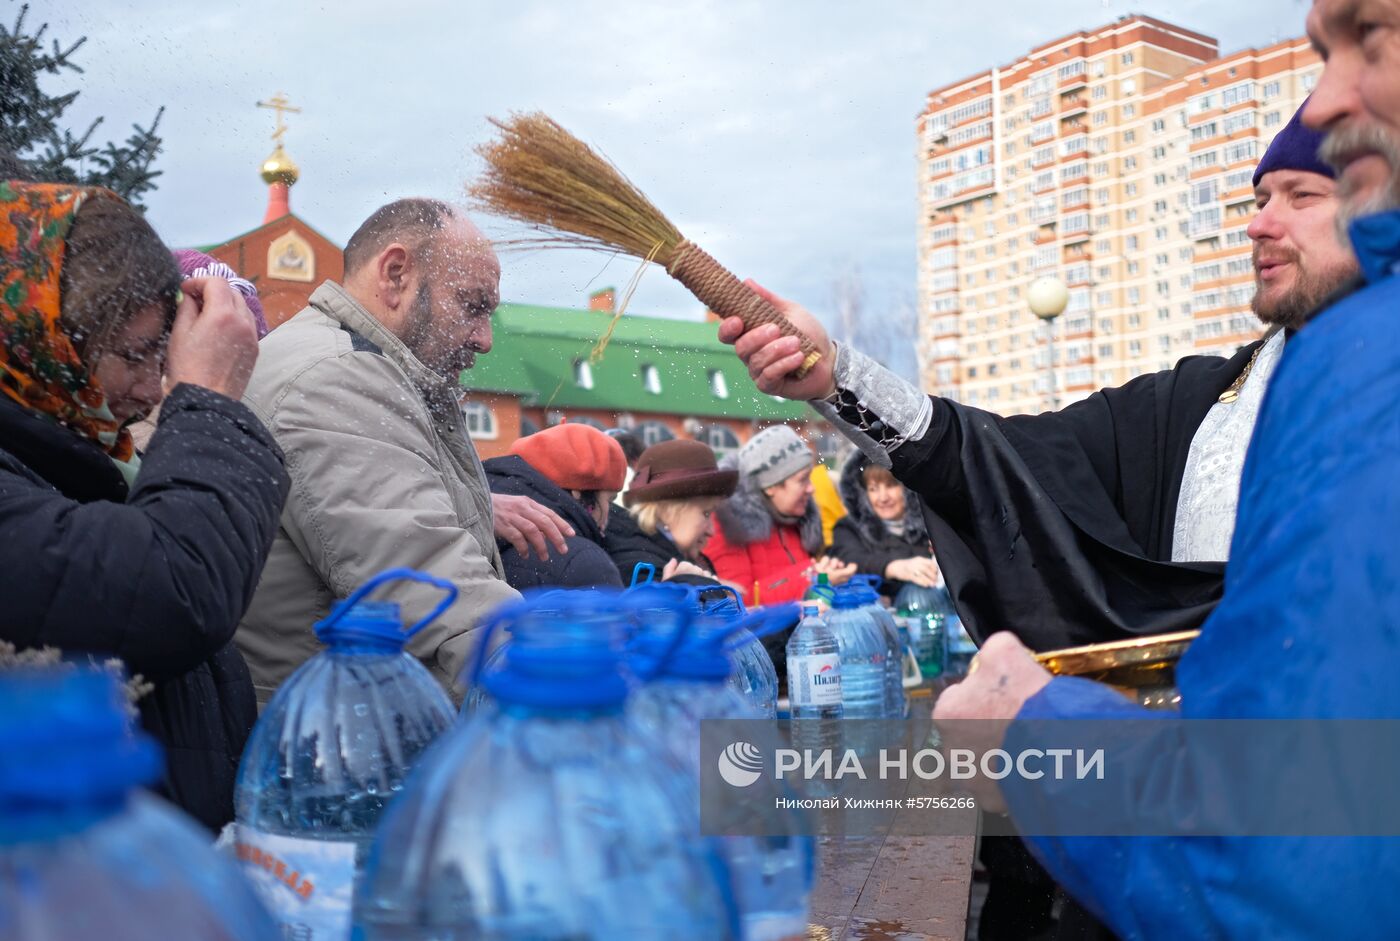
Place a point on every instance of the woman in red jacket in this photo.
(769, 539)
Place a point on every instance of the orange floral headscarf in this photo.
(39, 366)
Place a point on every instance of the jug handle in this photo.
(771, 620)
(396, 575)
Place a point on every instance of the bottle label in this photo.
(307, 884)
(815, 680)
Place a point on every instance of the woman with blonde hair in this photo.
(670, 508)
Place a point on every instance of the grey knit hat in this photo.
(773, 455)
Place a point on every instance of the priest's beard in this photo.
(1303, 297)
(1348, 140)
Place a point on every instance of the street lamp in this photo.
(1048, 297)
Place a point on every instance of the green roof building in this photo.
(661, 377)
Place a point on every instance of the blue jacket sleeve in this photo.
(1309, 628)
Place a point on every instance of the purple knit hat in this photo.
(195, 264)
(1295, 148)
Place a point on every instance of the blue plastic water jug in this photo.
(547, 816)
(771, 876)
(864, 650)
(587, 615)
(753, 675)
(866, 588)
(84, 852)
(329, 752)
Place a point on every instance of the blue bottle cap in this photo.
(847, 597)
(565, 654)
(701, 658)
(69, 755)
(373, 624)
(702, 651)
(359, 622)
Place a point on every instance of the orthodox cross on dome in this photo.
(279, 171)
(281, 104)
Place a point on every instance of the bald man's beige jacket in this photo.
(383, 474)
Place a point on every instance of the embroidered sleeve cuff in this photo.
(874, 408)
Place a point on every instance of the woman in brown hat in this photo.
(669, 517)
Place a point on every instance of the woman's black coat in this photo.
(157, 574)
(862, 538)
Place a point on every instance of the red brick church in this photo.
(285, 257)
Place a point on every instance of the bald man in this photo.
(361, 391)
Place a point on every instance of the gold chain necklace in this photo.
(1231, 395)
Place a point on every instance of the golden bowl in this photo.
(1143, 668)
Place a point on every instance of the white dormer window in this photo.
(583, 374)
(480, 421)
(719, 386)
(651, 379)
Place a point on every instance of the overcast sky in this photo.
(779, 136)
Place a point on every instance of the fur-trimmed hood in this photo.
(852, 490)
(747, 517)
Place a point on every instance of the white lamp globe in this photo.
(1047, 297)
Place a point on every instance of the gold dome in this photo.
(280, 168)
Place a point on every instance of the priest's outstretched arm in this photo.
(1056, 526)
(882, 414)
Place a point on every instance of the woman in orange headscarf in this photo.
(149, 558)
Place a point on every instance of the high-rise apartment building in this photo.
(1119, 160)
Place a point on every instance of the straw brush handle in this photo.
(727, 296)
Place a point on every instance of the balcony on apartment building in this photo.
(1076, 255)
(1079, 79)
(1071, 105)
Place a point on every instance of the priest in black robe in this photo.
(1061, 526)
(1108, 518)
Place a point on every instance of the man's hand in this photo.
(1003, 676)
(772, 358)
(682, 567)
(214, 340)
(836, 571)
(526, 525)
(917, 571)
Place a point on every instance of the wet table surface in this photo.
(896, 888)
(892, 889)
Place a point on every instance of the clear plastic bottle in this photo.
(815, 676)
(328, 753)
(771, 876)
(547, 817)
(84, 853)
(926, 612)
